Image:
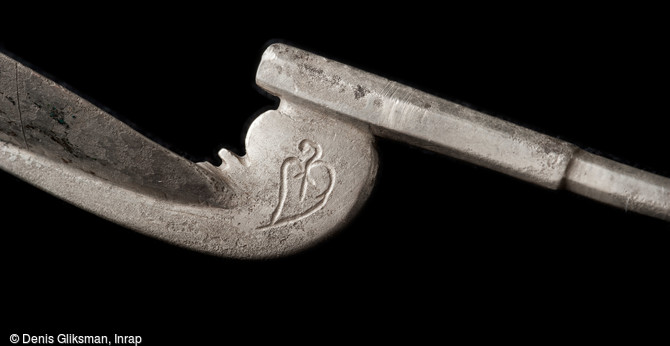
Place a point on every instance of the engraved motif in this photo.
(297, 172)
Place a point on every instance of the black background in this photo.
(441, 247)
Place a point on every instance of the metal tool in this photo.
(309, 165)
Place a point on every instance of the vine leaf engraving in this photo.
(305, 185)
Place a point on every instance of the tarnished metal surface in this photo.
(309, 165)
(303, 174)
(619, 185)
(46, 120)
(399, 112)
